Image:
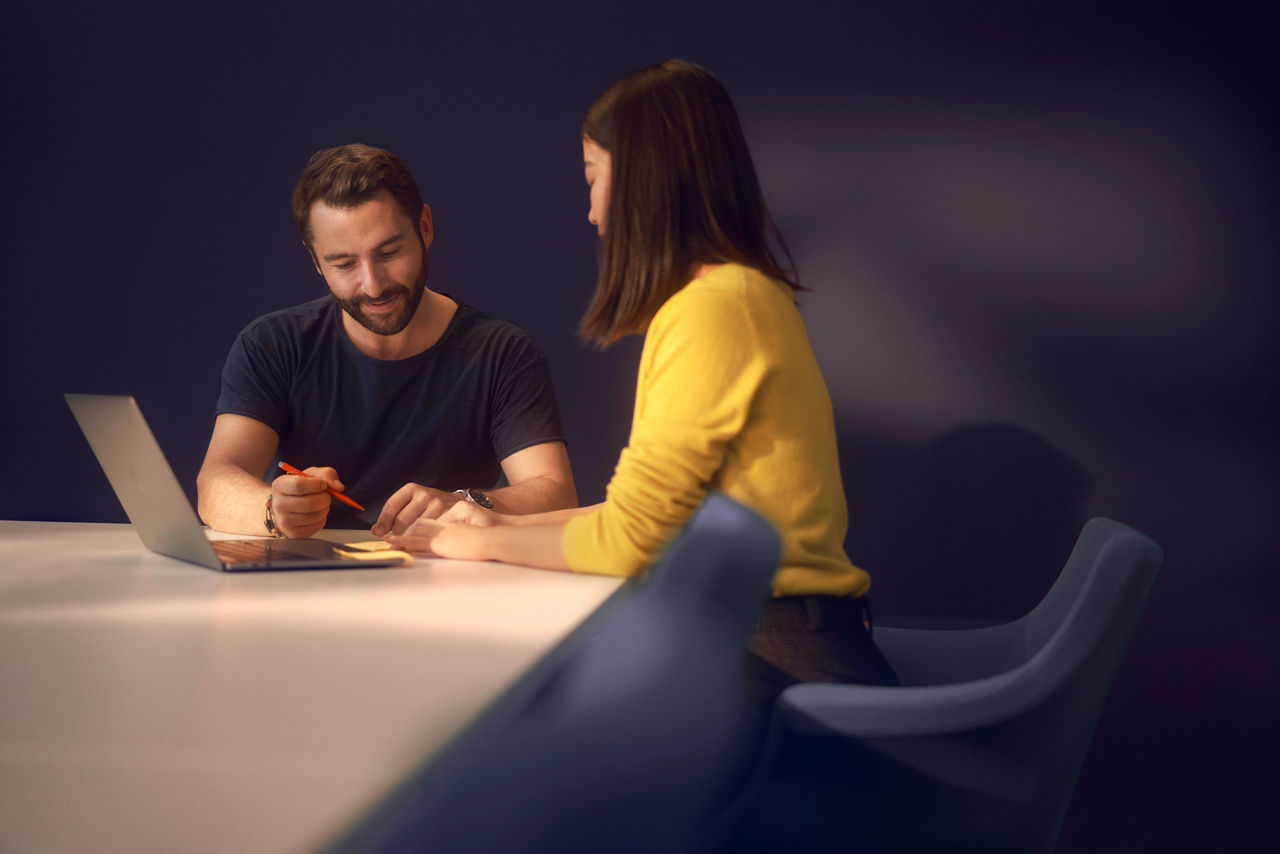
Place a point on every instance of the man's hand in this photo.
(299, 504)
(410, 503)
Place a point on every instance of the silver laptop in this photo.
(159, 510)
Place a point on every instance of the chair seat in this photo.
(980, 747)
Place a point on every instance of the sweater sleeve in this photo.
(699, 372)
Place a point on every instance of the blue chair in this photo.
(980, 748)
(630, 737)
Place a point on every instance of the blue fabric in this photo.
(629, 738)
(980, 748)
(443, 418)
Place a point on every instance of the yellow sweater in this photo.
(729, 398)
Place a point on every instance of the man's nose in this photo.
(372, 279)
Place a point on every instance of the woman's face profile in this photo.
(597, 167)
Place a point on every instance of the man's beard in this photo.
(388, 324)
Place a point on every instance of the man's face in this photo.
(374, 259)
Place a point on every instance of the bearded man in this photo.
(395, 395)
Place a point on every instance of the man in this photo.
(405, 398)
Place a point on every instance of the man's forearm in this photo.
(535, 495)
(231, 499)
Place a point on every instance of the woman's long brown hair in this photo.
(683, 192)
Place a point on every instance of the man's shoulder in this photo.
(296, 320)
(474, 325)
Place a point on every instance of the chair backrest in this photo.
(1074, 640)
(628, 738)
(687, 623)
(987, 763)
(1106, 578)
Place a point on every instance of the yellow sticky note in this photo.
(372, 550)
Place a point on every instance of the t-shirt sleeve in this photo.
(255, 377)
(525, 412)
(700, 372)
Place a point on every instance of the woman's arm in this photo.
(466, 513)
(469, 532)
(524, 544)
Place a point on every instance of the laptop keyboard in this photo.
(256, 551)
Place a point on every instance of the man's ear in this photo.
(424, 225)
(314, 260)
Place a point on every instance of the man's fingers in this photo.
(296, 517)
(296, 509)
(396, 503)
(424, 506)
(408, 504)
(303, 519)
(328, 475)
(293, 484)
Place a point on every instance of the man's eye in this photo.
(345, 265)
(389, 253)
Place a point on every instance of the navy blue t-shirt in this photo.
(443, 418)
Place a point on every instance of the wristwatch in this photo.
(475, 496)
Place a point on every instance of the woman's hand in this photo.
(468, 532)
(469, 513)
(442, 539)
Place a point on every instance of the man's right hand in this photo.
(299, 504)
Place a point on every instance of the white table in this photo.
(147, 704)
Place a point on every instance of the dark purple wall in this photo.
(1042, 283)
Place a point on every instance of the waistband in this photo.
(816, 613)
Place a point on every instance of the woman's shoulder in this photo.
(731, 282)
(730, 297)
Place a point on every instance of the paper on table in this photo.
(371, 550)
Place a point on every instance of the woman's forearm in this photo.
(527, 545)
(551, 517)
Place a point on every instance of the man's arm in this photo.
(232, 496)
(539, 479)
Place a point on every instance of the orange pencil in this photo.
(335, 493)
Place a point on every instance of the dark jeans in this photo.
(796, 639)
(814, 639)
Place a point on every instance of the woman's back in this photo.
(729, 397)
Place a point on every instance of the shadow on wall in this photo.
(973, 528)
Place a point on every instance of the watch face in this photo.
(479, 498)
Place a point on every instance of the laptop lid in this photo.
(155, 503)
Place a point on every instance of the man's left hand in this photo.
(410, 503)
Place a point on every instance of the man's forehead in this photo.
(381, 199)
(376, 217)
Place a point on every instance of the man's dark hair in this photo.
(350, 175)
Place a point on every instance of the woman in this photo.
(729, 395)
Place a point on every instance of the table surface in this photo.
(148, 704)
